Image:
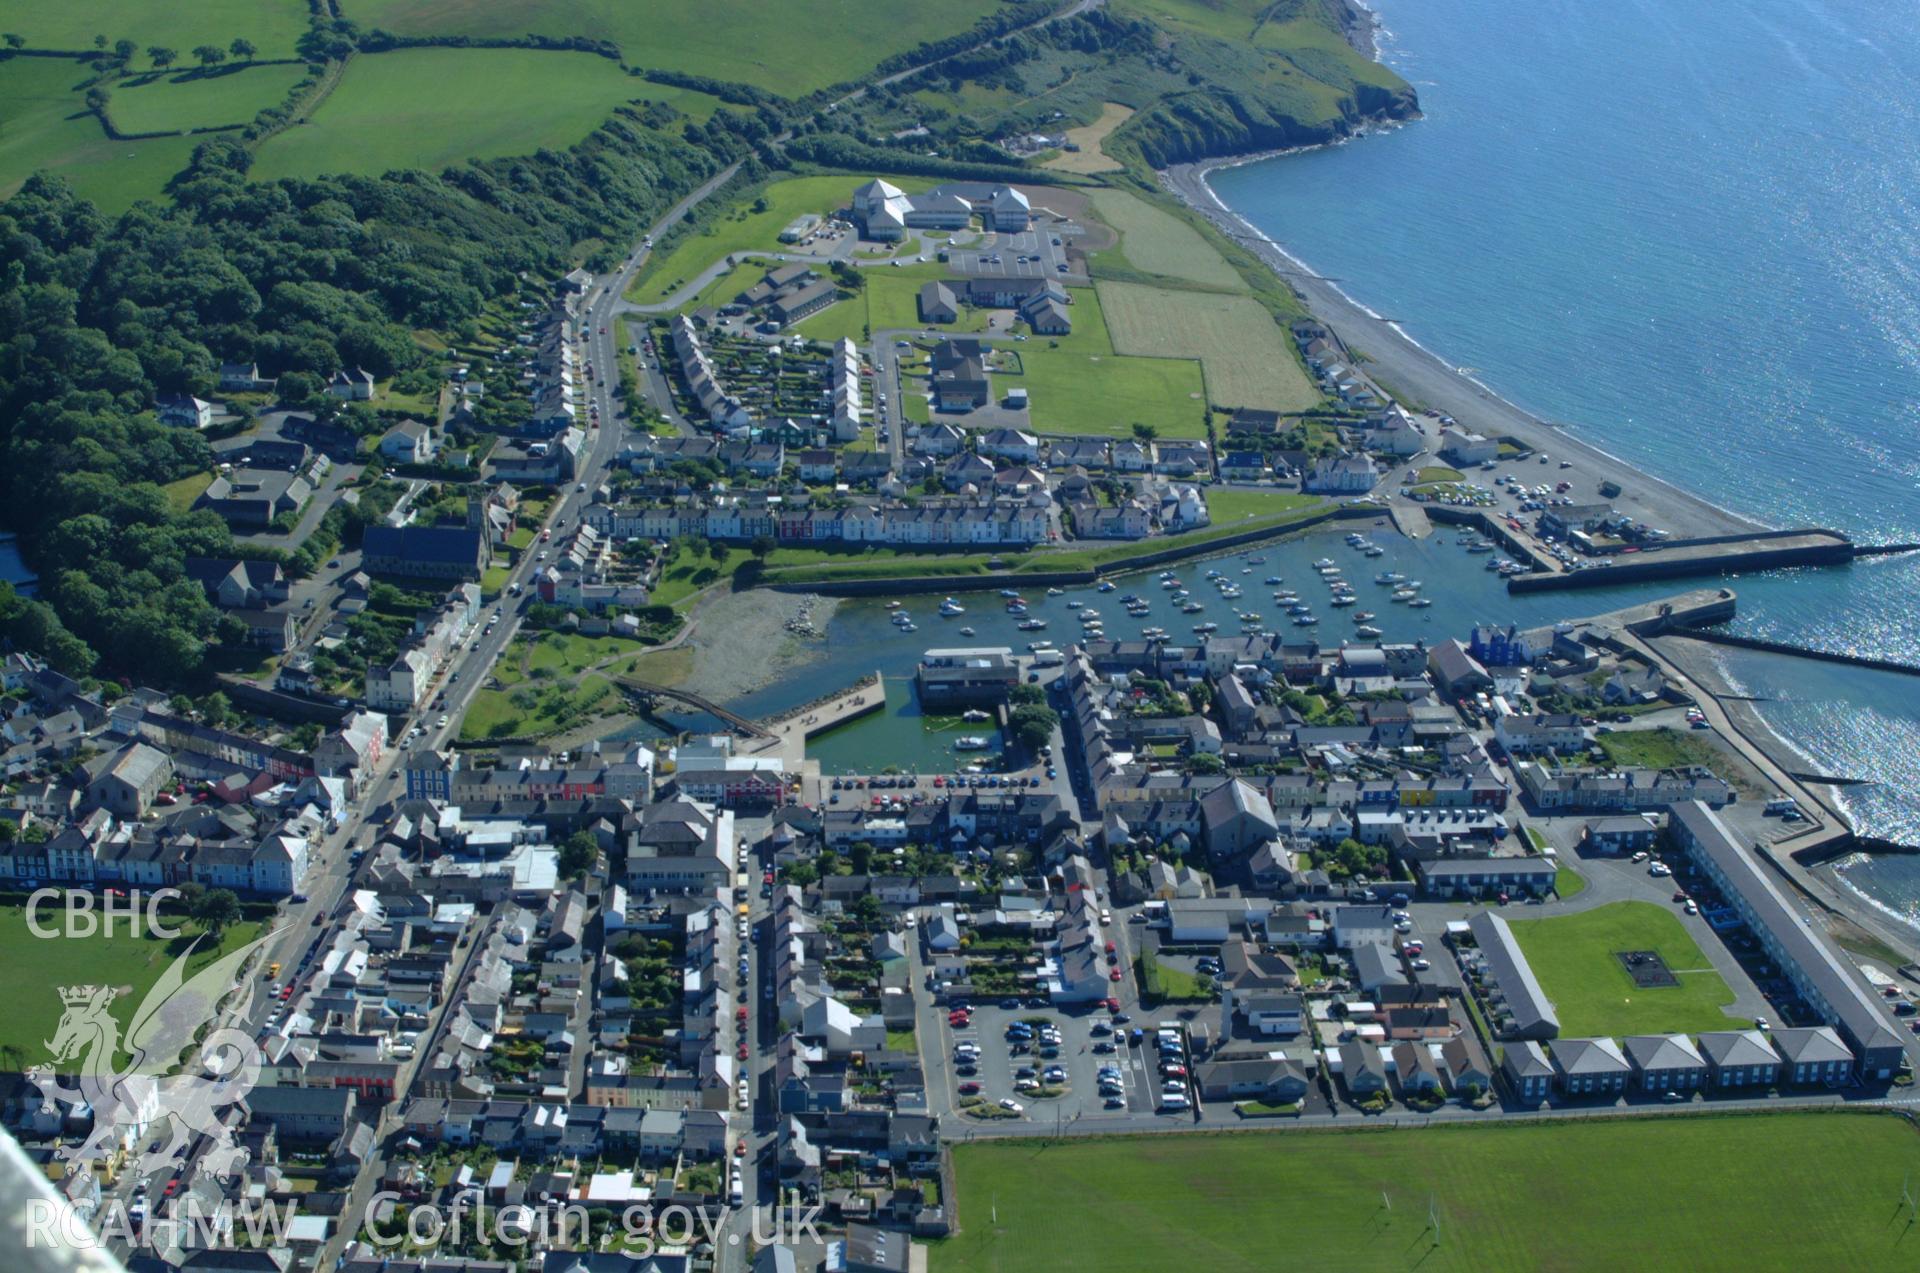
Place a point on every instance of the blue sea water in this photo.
(1691, 234)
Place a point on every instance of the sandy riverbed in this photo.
(1415, 372)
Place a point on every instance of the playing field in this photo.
(1156, 242)
(1248, 359)
(1734, 1192)
(1227, 505)
(1574, 958)
(430, 108)
(178, 101)
(37, 968)
(791, 48)
(272, 25)
(1079, 384)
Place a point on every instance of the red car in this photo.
(741, 1052)
(740, 1149)
(1113, 974)
(1113, 1005)
(969, 1089)
(173, 1187)
(287, 993)
(741, 1013)
(1111, 948)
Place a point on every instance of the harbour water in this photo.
(1686, 233)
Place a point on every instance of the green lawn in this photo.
(1229, 505)
(38, 967)
(571, 653)
(182, 494)
(1153, 241)
(182, 100)
(1568, 884)
(1573, 957)
(433, 108)
(792, 48)
(272, 25)
(1658, 748)
(532, 709)
(44, 124)
(1438, 473)
(1613, 1194)
(1248, 359)
(741, 229)
(893, 299)
(1079, 384)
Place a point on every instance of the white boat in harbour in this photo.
(1031, 625)
(950, 607)
(893, 605)
(971, 742)
(1366, 630)
(1421, 603)
(1192, 607)
(1016, 607)
(966, 632)
(1389, 576)
(1306, 620)
(1375, 550)
(1404, 594)
(1056, 592)
(1323, 562)
(1008, 592)
(1363, 616)
(1106, 585)
(1204, 628)
(1037, 646)
(1344, 599)
(1273, 581)
(909, 626)
(975, 714)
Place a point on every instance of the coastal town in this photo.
(1246, 880)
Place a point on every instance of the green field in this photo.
(37, 967)
(1153, 241)
(741, 229)
(272, 25)
(177, 102)
(1658, 748)
(1613, 1194)
(1229, 505)
(431, 108)
(1573, 957)
(791, 48)
(1079, 384)
(44, 124)
(1248, 360)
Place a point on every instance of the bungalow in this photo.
(937, 439)
(1183, 459)
(1011, 444)
(1244, 466)
(1270, 1079)
(1591, 1067)
(1466, 1065)
(1416, 1068)
(1362, 1069)
(937, 303)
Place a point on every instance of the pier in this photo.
(862, 698)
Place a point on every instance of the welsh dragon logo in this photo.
(168, 1078)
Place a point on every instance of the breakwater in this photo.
(1798, 651)
(1719, 554)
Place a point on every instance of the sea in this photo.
(1690, 234)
